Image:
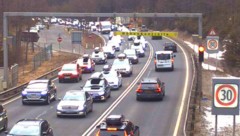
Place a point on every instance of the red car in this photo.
(70, 72)
(86, 64)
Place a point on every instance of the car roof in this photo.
(96, 75)
(75, 92)
(163, 52)
(39, 81)
(32, 122)
(149, 80)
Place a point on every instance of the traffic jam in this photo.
(125, 53)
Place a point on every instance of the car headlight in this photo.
(59, 107)
(134, 57)
(44, 92)
(88, 66)
(101, 93)
(24, 92)
(1, 118)
(75, 73)
(82, 107)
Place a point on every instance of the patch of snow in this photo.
(223, 121)
(208, 67)
(218, 55)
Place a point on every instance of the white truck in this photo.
(105, 27)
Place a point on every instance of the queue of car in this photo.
(97, 88)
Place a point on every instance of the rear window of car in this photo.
(148, 85)
(170, 44)
(111, 133)
(163, 56)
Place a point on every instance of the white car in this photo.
(109, 51)
(34, 30)
(114, 78)
(98, 56)
(53, 20)
(122, 65)
(75, 22)
(75, 103)
(138, 47)
(114, 45)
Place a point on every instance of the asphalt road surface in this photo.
(155, 118)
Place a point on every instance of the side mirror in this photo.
(174, 55)
(81, 87)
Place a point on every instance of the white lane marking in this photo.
(11, 100)
(184, 90)
(120, 98)
(41, 114)
(194, 71)
(149, 72)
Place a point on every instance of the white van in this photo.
(164, 60)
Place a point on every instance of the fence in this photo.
(44, 55)
(14, 75)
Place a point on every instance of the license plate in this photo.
(67, 77)
(148, 91)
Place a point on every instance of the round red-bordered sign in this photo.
(230, 88)
(59, 39)
(212, 44)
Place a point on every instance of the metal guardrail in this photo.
(15, 91)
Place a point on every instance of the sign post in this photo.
(225, 98)
(59, 39)
(212, 42)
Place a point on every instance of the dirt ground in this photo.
(59, 58)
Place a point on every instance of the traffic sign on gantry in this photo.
(166, 34)
(225, 96)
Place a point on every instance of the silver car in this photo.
(75, 103)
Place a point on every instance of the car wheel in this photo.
(5, 125)
(59, 80)
(84, 114)
(55, 96)
(91, 108)
(77, 80)
(24, 103)
(109, 95)
(48, 100)
(138, 99)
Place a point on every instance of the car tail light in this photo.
(139, 90)
(155, 61)
(158, 89)
(98, 133)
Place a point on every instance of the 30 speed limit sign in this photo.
(226, 95)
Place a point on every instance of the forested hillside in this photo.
(223, 15)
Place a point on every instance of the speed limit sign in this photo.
(225, 96)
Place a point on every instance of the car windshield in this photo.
(111, 133)
(106, 26)
(163, 56)
(68, 68)
(148, 86)
(74, 97)
(25, 130)
(120, 62)
(169, 44)
(37, 86)
(109, 74)
(130, 53)
(94, 84)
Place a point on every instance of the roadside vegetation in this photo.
(222, 15)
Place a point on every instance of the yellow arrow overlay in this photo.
(167, 34)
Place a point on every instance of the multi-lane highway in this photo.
(155, 118)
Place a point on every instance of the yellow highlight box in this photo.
(166, 34)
